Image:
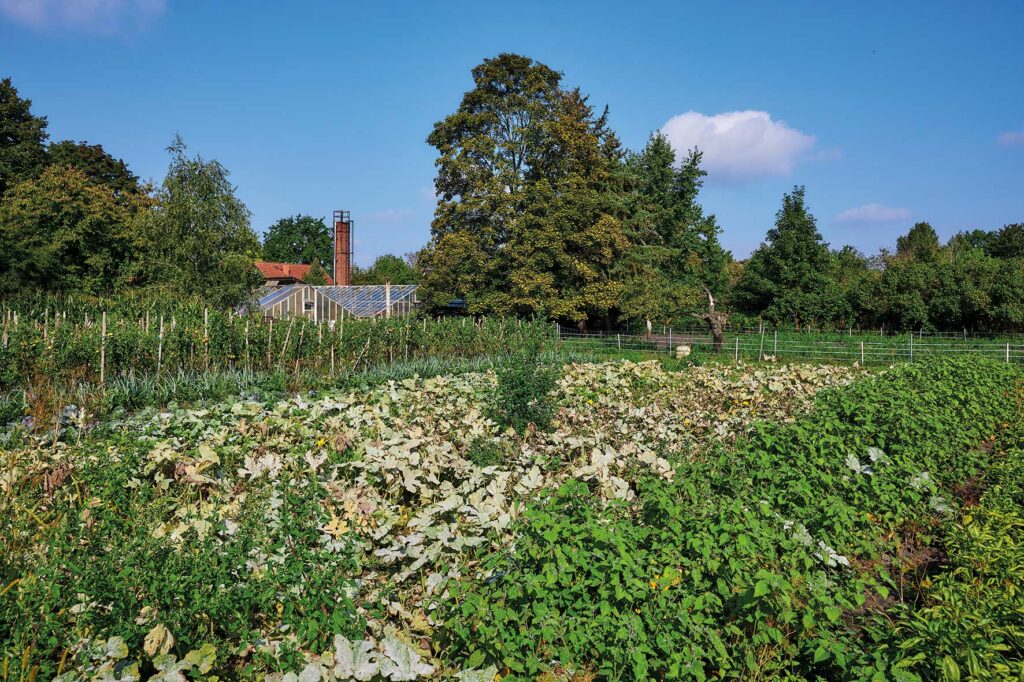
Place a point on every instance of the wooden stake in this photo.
(160, 347)
(103, 348)
(206, 336)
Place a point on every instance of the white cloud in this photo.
(872, 213)
(740, 145)
(1011, 139)
(98, 16)
(391, 215)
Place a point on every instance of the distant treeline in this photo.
(540, 212)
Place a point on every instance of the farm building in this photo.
(326, 303)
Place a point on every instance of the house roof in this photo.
(292, 271)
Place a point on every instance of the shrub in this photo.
(523, 394)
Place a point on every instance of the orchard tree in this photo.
(61, 232)
(300, 239)
(197, 239)
(786, 277)
(22, 138)
(524, 220)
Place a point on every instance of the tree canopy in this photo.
(197, 239)
(22, 138)
(300, 239)
(97, 165)
(524, 220)
(61, 232)
(786, 278)
(387, 268)
(674, 251)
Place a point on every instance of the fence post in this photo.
(670, 340)
(206, 336)
(1007, 352)
(387, 298)
(760, 350)
(775, 346)
(618, 341)
(737, 349)
(160, 347)
(103, 348)
(270, 340)
(911, 346)
(861, 353)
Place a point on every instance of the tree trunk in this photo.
(716, 323)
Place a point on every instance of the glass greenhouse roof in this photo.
(359, 301)
(368, 300)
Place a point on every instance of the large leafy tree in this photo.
(787, 275)
(300, 239)
(98, 166)
(22, 138)
(524, 220)
(197, 239)
(61, 232)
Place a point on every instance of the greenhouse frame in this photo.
(326, 303)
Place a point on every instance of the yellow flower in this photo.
(653, 584)
(320, 443)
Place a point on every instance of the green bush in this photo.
(525, 382)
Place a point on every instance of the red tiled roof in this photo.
(296, 271)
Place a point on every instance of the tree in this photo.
(674, 253)
(715, 320)
(1007, 242)
(787, 274)
(387, 268)
(22, 138)
(523, 223)
(197, 239)
(300, 239)
(98, 166)
(848, 297)
(316, 275)
(60, 232)
(920, 243)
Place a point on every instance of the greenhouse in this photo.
(326, 303)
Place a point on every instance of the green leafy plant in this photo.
(523, 393)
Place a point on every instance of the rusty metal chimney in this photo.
(343, 248)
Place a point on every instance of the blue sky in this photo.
(888, 112)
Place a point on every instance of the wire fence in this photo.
(763, 344)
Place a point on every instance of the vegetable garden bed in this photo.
(697, 524)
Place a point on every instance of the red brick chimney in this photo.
(342, 248)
